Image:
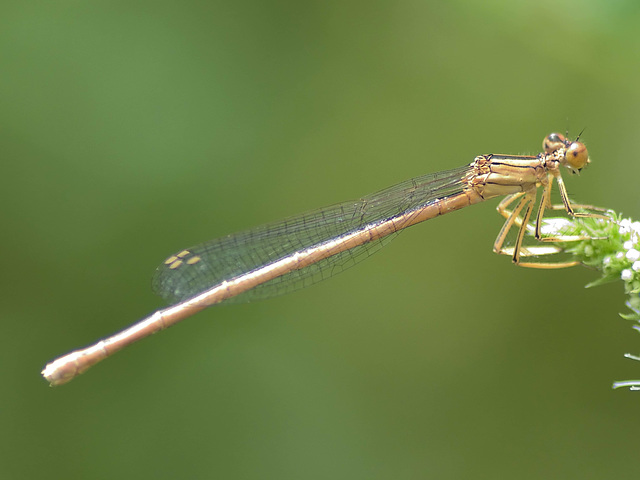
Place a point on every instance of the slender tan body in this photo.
(488, 176)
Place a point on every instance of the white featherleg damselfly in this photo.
(284, 256)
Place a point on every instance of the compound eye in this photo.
(577, 156)
(553, 142)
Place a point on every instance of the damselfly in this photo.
(281, 257)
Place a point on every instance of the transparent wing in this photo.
(196, 269)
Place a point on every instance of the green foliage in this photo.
(611, 246)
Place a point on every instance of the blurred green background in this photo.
(130, 130)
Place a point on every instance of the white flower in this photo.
(628, 245)
(606, 260)
(625, 226)
(555, 226)
(633, 255)
(626, 275)
(619, 255)
(636, 266)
